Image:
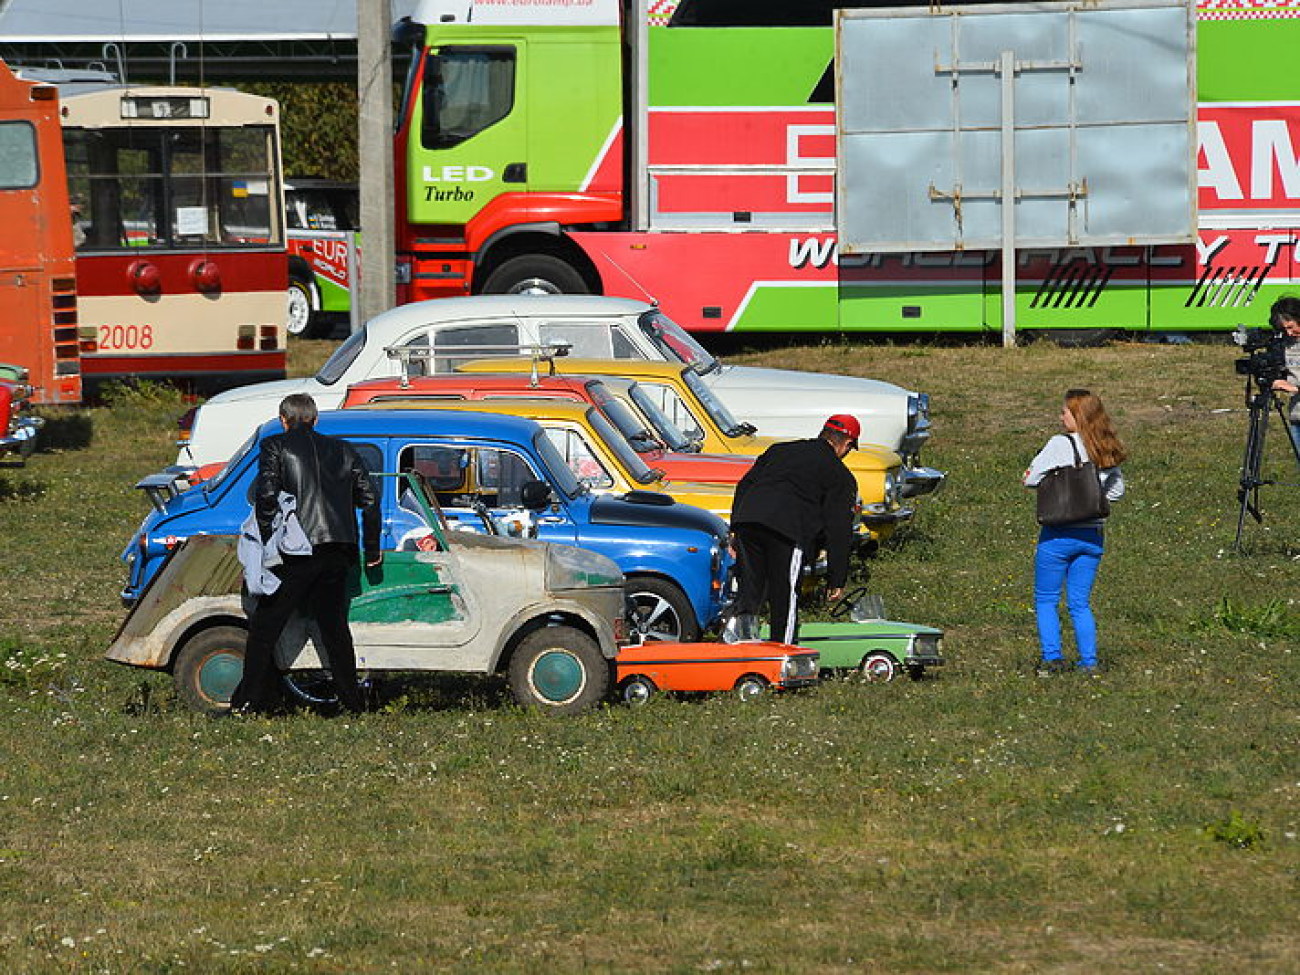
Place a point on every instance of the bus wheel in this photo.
(535, 274)
(301, 304)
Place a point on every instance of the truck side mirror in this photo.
(535, 495)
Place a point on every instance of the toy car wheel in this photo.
(207, 669)
(879, 668)
(658, 610)
(637, 691)
(751, 687)
(559, 669)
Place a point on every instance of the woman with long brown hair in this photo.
(1069, 555)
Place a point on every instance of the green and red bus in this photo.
(684, 151)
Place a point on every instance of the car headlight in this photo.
(928, 645)
(799, 667)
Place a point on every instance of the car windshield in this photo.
(668, 431)
(214, 483)
(337, 364)
(617, 444)
(675, 343)
(727, 423)
(624, 418)
(561, 477)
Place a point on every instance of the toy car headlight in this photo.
(576, 568)
(928, 645)
(803, 665)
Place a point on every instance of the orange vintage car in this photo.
(749, 668)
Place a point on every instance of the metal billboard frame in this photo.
(1083, 113)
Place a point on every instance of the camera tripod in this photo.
(1260, 403)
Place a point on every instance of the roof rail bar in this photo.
(407, 354)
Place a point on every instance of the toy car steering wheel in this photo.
(844, 606)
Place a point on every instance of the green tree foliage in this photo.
(318, 126)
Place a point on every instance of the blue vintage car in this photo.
(675, 556)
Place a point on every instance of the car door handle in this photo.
(439, 590)
(516, 172)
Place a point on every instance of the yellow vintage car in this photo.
(595, 451)
(681, 408)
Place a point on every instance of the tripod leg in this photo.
(1252, 463)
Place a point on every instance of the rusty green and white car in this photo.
(437, 603)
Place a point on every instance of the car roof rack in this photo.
(408, 354)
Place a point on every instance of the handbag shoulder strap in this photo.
(1074, 449)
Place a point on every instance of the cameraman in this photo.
(1284, 316)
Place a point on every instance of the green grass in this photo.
(982, 820)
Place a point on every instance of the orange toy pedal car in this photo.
(748, 668)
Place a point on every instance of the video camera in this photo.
(1265, 358)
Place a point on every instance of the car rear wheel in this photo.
(751, 687)
(207, 669)
(658, 610)
(638, 690)
(559, 669)
(879, 668)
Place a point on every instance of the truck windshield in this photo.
(675, 343)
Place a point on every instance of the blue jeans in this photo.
(1067, 558)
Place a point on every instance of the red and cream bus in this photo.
(178, 218)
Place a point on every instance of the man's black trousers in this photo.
(769, 565)
(316, 584)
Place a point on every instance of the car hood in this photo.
(276, 391)
(638, 510)
(786, 403)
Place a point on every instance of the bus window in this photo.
(18, 166)
(466, 90)
(145, 188)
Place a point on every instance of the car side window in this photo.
(621, 345)
(501, 475)
(585, 341)
(417, 365)
(580, 458)
(477, 341)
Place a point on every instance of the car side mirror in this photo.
(535, 495)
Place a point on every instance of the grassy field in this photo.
(983, 820)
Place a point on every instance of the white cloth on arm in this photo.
(1057, 453)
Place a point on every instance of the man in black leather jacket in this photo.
(330, 482)
(797, 494)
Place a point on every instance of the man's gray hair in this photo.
(298, 409)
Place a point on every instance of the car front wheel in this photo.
(658, 610)
(559, 669)
(207, 669)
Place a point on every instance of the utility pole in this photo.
(378, 290)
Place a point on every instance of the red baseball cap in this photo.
(847, 425)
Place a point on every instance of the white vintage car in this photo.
(779, 402)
